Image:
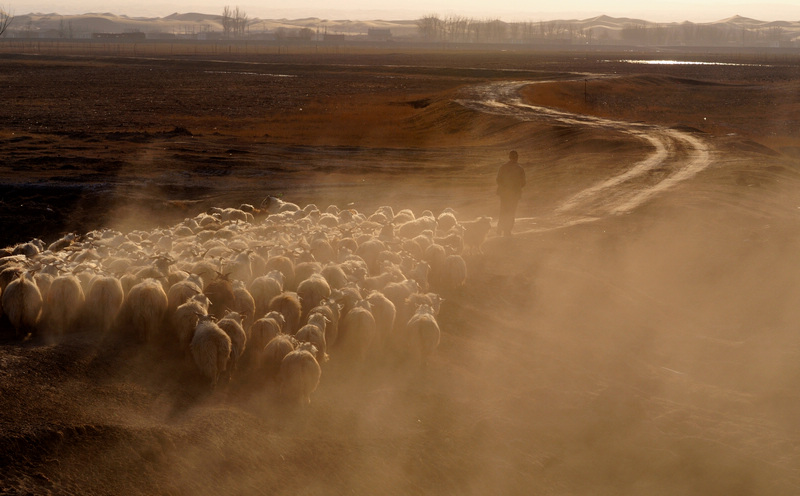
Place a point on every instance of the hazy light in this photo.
(683, 62)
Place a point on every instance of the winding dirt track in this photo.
(676, 157)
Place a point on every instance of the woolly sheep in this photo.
(422, 335)
(416, 227)
(314, 332)
(144, 309)
(377, 283)
(264, 288)
(356, 332)
(274, 353)
(300, 374)
(420, 274)
(240, 267)
(435, 255)
(186, 317)
(232, 325)
(64, 242)
(8, 274)
(446, 220)
(369, 251)
(43, 281)
(346, 245)
(263, 330)
(63, 304)
(403, 216)
(311, 292)
(244, 303)
(288, 304)
(304, 270)
(331, 311)
(220, 293)
(274, 205)
(286, 266)
(29, 249)
(22, 304)
(347, 297)
(334, 274)
(104, 301)
(384, 313)
(322, 250)
(211, 350)
(179, 293)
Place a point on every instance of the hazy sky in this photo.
(510, 10)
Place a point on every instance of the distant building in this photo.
(119, 36)
(379, 34)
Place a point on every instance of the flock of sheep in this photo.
(274, 291)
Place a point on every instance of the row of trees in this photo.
(5, 20)
(234, 22)
(459, 29)
(689, 33)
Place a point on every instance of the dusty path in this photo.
(676, 157)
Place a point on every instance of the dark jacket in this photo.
(510, 180)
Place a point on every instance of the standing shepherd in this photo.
(510, 181)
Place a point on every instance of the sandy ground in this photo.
(636, 336)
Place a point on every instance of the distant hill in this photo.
(733, 31)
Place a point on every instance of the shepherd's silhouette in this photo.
(510, 181)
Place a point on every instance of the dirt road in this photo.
(676, 156)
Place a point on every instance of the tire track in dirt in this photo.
(676, 157)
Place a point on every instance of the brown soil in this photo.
(653, 352)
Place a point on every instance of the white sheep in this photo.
(180, 292)
(274, 205)
(103, 302)
(274, 353)
(300, 374)
(331, 310)
(384, 313)
(356, 332)
(244, 304)
(311, 292)
(415, 227)
(232, 325)
(186, 317)
(263, 330)
(434, 256)
(390, 274)
(335, 275)
(63, 304)
(369, 251)
(264, 288)
(304, 270)
(446, 220)
(422, 335)
(22, 304)
(288, 304)
(211, 350)
(403, 216)
(286, 266)
(220, 293)
(144, 310)
(314, 332)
